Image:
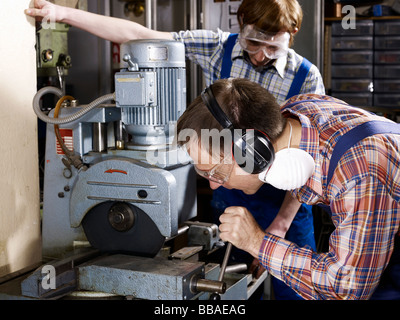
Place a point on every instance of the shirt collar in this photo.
(309, 135)
(310, 143)
(279, 64)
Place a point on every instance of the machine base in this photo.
(90, 275)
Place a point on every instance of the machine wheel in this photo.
(120, 227)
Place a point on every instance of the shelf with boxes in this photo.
(365, 63)
(387, 64)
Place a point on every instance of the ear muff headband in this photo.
(258, 151)
(213, 106)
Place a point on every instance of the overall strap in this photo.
(299, 78)
(357, 134)
(227, 60)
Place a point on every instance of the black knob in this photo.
(215, 296)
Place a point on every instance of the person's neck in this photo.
(282, 142)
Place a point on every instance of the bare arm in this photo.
(239, 226)
(109, 28)
(279, 226)
(285, 216)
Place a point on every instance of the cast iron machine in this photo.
(113, 178)
(99, 183)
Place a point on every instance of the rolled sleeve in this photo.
(272, 254)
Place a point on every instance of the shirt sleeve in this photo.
(366, 220)
(202, 46)
(313, 82)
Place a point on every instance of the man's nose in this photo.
(259, 56)
(214, 185)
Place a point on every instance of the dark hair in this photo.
(247, 105)
(271, 15)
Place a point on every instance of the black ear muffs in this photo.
(252, 149)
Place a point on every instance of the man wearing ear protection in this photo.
(261, 52)
(325, 152)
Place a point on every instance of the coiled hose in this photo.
(72, 117)
(73, 159)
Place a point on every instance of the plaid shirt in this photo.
(364, 198)
(206, 48)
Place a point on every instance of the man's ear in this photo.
(241, 21)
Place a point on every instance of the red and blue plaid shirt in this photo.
(364, 198)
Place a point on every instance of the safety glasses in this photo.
(220, 173)
(273, 45)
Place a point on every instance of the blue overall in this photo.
(266, 202)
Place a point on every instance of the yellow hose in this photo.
(57, 129)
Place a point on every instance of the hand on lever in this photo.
(239, 227)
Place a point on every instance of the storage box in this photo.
(389, 86)
(387, 28)
(350, 71)
(387, 71)
(387, 43)
(355, 99)
(363, 28)
(352, 85)
(352, 43)
(387, 57)
(352, 57)
(387, 100)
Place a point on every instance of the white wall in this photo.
(20, 244)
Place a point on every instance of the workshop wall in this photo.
(20, 244)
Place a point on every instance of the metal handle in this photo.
(131, 65)
(216, 295)
(205, 285)
(216, 287)
(225, 261)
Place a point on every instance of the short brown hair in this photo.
(246, 104)
(271, 15)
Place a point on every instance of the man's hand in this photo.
(239, 227)
(44, 9)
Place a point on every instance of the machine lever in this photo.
(132, 66)
(216, 295)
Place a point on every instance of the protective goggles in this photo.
(218, 174)
(254, 40)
